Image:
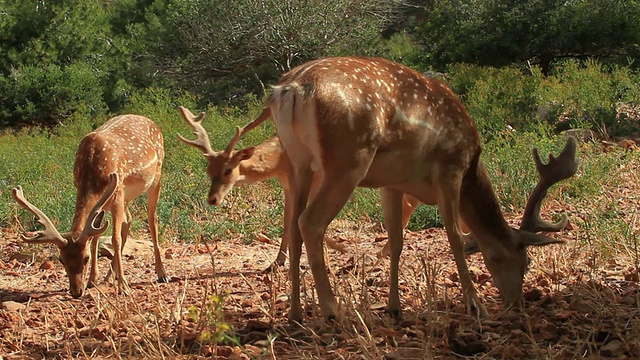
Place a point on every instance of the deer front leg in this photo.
(284, 244)
(409, 205)
(93, 269)
(449, 204)
(153, 194)
(392, 206)
(118, 214)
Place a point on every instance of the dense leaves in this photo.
(89, 57)
(503, 32)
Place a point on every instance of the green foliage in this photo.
(498, 33)
(575, 95)
(587, 95)
(211, 325)
(49, 94)
(205, 45)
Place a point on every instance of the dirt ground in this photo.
(219, 302)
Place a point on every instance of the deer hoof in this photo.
(163, 279)
(395, 314)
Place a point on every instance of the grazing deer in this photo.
(265, 161)
(375, 123)
(116, 163)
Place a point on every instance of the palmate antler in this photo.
(556, 170)
(50, 234)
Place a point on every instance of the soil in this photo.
(580, 302)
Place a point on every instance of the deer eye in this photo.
(227, 172)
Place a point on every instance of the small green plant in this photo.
(212, 326)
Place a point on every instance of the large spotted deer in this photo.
(267, 160)
(116, 163)
(375, 123)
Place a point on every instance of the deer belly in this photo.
(136, 185)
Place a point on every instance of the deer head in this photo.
(74, 252)
(222, 166)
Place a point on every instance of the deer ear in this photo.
(532, 239)
(244, 154)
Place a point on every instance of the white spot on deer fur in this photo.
(368, 106)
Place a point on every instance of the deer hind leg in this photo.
(449, 203)
(323, 208)
(153, 194)
(392, 204)
(300, 180)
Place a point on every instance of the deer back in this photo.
(130, 145)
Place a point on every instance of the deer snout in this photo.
(213, 200)
(76, 292)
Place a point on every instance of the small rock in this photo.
(533, 294)
(549, 331)
(614, 349)
(265, 296)
(512, 352)
(253, 351)
(12, 306)
(46, 265)
(247, 303)
(258, 325)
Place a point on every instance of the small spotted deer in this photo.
(242, 167)
(116, 163)
(375, 123)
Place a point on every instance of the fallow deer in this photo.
(375, 123)
(116, 163)
(242, 167)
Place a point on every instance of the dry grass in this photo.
(581, 299)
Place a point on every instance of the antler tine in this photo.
(234, 141)
(266, 113)
(556, 170)
(50, 233)
(202, 142)
(92, 224)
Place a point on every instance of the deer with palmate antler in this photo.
(257, 163)
(116, 163)
(375, 123)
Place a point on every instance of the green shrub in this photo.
(587, 95)
(49, 94)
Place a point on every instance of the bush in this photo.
(587, 95)
(48, 95)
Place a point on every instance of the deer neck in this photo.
(268, 161)
(480, 208)
(84, 204)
